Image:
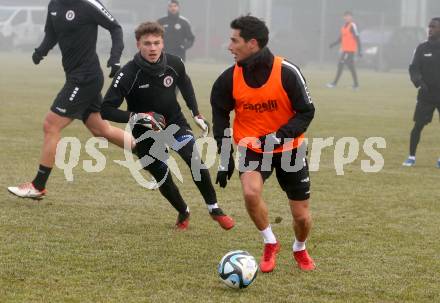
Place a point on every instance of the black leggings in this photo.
(415, 137)
(162, 174)
(347, 58)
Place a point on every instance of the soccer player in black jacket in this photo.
(425, 75)
(148, 84)
(178, 36)
(73, 24)
(271, 101)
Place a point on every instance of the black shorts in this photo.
(78, 99)
(347, 58)
(425, 111)
(292, 175)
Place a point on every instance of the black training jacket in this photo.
(425, 69)
(178, 36)
(150, 87)
(73, 24)
(256, 70)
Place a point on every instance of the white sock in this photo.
(298, 246)
(268, 235)
(212, 206)
(412, 157)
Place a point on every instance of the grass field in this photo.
(103, 238)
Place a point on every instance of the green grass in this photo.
(103, 238)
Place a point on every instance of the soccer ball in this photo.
(238, 269)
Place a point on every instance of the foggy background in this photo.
(299, 30)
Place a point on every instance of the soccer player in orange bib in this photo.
(273, 109)
(350, 44)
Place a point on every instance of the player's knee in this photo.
(302, 217)
(251, 193)
(168, 185)
(49, 127)
(101, 130)
(419, 125)
(98, 132)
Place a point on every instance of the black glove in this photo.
(37, 57)
(115, 66)
(150, 120)
(225, 171)
(271, 142)
(331, 45)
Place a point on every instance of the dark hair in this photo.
(436, 19)
(252, 28)
(174, 1)
(148, 28)
(348, 13)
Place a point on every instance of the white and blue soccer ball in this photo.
(238, 269)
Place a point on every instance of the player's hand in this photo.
(224, 172)
(270, 142)
(331, 45)
(150, 120)
(114, 69)
(424, 87)
(37, 57)
(203, 124)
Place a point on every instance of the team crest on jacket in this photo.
(168, 81)
(70, 15)
(177, 26)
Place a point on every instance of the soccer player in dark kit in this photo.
(73, 24)
(178, 36)
(425, 75)
(148, 84)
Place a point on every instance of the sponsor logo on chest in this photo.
(268, 106)
(144, 85)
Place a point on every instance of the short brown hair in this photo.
(148, 28)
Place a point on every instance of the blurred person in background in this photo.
(74, 26)
(424, 72)
(148, 84)
(350, 44)
(273, 109)
(178, 36)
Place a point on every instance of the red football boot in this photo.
(305, 262)
(223, 220)
(268, 260)
(182, 222)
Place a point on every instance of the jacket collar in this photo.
(435, 43)
(174, 16)
(263, 58)
(153, 69)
